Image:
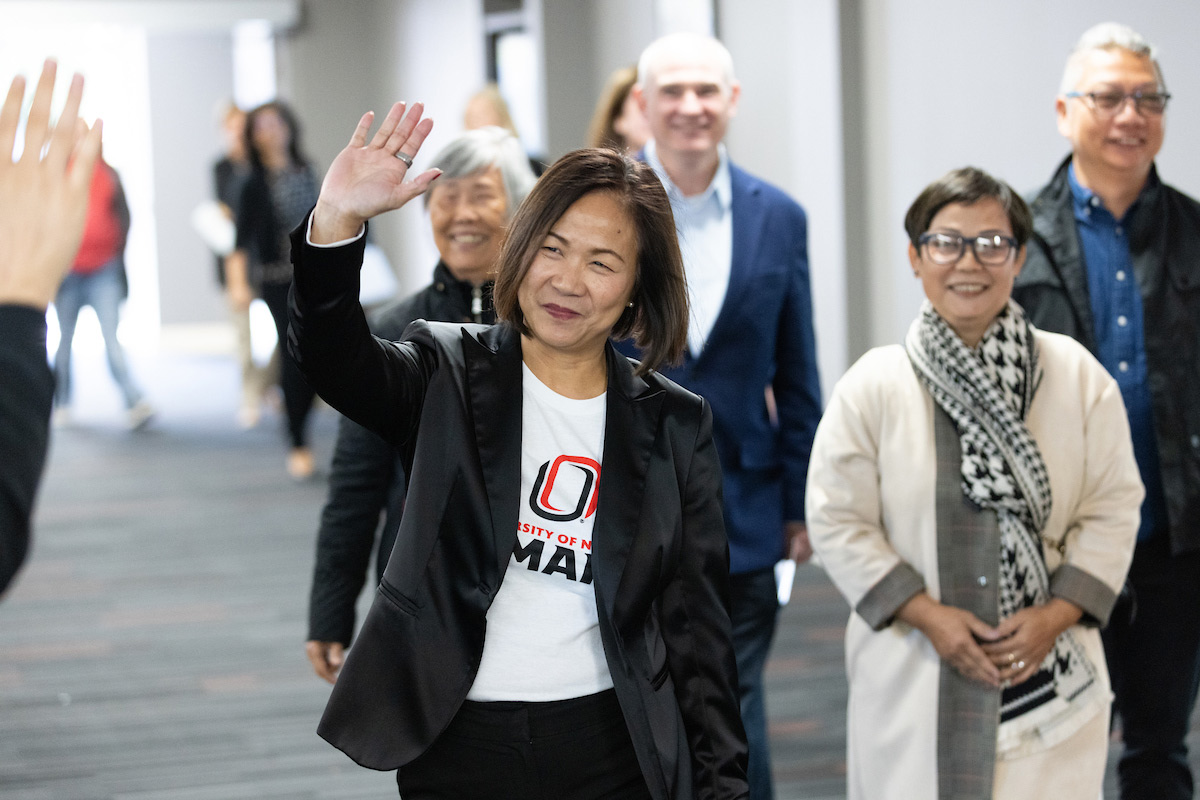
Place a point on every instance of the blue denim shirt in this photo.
(1120, 338)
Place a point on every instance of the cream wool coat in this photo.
(871, 506)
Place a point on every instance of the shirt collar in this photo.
(1085, 201)
(721, 186)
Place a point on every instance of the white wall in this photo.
(190, 76)
(788, 130)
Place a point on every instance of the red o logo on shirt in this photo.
(550, 477)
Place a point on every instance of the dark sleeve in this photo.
(26, 392)
(360, 482)
(378, 384)
(249, 216)
(696, 630)
(120, 209)
(797, 384)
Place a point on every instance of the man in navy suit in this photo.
(751, 349)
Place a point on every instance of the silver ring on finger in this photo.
(1017, 667)
(405, 157)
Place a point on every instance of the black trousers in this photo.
(1154, 661)
(576, 749)
(297, 394)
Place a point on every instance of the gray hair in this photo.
(482, 148)
(1108, 36)
(693, 44)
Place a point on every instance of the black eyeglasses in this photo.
(1109, 104)
(947, 248)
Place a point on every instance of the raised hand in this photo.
(43, 195)
(367, 179)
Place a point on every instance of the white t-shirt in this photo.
(543, 635)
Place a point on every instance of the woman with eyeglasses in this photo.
(974, 496)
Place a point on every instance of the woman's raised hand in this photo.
(367, 179)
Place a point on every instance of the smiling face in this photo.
(1122, 146)
(688, 103)
(580, 280)
(967, 294)
(467, 215)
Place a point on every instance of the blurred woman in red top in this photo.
(97, 279)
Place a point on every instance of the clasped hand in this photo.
(1009, 653)
(367, 179)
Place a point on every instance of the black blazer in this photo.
(449, 396)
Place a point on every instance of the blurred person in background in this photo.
(1115, 263)
(973, 495)
(618, 121)
(230, 174)
(98, 279)
(279, 191)
(488, 107)
(485, 177)
(44, 199)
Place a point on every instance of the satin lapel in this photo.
(748, 219)
(630, 427)
(494, 385)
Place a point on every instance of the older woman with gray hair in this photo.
(974, 496)
(485, 176)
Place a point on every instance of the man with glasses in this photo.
(1115, 262)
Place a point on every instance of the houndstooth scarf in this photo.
(987, 393)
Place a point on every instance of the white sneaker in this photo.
(140, 415)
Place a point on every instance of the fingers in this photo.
(410, 133)
(38, 124)
(388, 126)
(427, 177)
(83, 159)
(10, 117)
(1021, 671)
(63, 137)
(402, 130)
(1010, 625)
(326, 658)
(359, 138)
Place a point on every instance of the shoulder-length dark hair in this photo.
(289, 118)
(658, 320)
(967, 185)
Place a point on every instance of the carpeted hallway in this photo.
(152, 649)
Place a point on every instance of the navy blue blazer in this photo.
(762, 339)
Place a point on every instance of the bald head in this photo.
(685, 47)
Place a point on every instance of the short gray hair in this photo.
(482, 148)
(693, 43)
(1108, 36)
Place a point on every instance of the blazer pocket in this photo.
(395, 598)
(660, 677)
